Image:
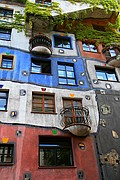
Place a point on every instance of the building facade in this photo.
(59, 93)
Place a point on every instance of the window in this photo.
(62, 42)
(73, 114)
(55, 151)
(3, 100)
(43, 102)
(67, 102)
(41, 66)
(66, 74)
(6, 154)
(112, 52)
(6, 12)
(106, 74)
(46, 2)
(98, 28)
(7, 61)
(5, 34)
(89, 47)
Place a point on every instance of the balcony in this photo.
(40, 45)
(112, 54)
(76, 120)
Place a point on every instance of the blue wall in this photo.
(23, 63)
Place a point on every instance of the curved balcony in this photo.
(112, 54)
(40, 45)
(76, 120)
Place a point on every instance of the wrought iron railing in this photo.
(74, 115)
(40, 40)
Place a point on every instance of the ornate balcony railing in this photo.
(76, 119)
(40, 44)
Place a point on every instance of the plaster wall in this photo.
(101, 84)
(23, 105)
(18, 39)
(67, 52)
(26, 156)
(23, 62)
(96, 55)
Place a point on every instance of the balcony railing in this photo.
(76, 119)
(40, 44)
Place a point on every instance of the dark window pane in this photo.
(62, 42)
(55, 152)
(39, 66)
(6, 153)
(5, 34)
(6, 12)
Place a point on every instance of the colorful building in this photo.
(59, 90)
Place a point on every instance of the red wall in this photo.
(97, 55)
(26, 155)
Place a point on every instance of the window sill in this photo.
(108, 80)
(6, 164)
(43, 113)
(5, 39)
(91, 52)
(48, 74)
(63, 48)
(6, 68)
(57, 167)
(68, 85)
(3, 110)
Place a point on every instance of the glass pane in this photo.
(47, 157)
(7, 63)
(63, 157)
(66, 43)
(36, 69)
(3, 104)
(93, 48)
(69, 68)
(70, 74)
(2, 94)
(112, 52)
(67, 103)
(58, 41)
(77, 103)
(111, 77)
(85, 47)
(61, 73)
(101, 75)
(5, 36)
(71, 81)
(61, 67)
(62, 81)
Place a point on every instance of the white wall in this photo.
(23, 105)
